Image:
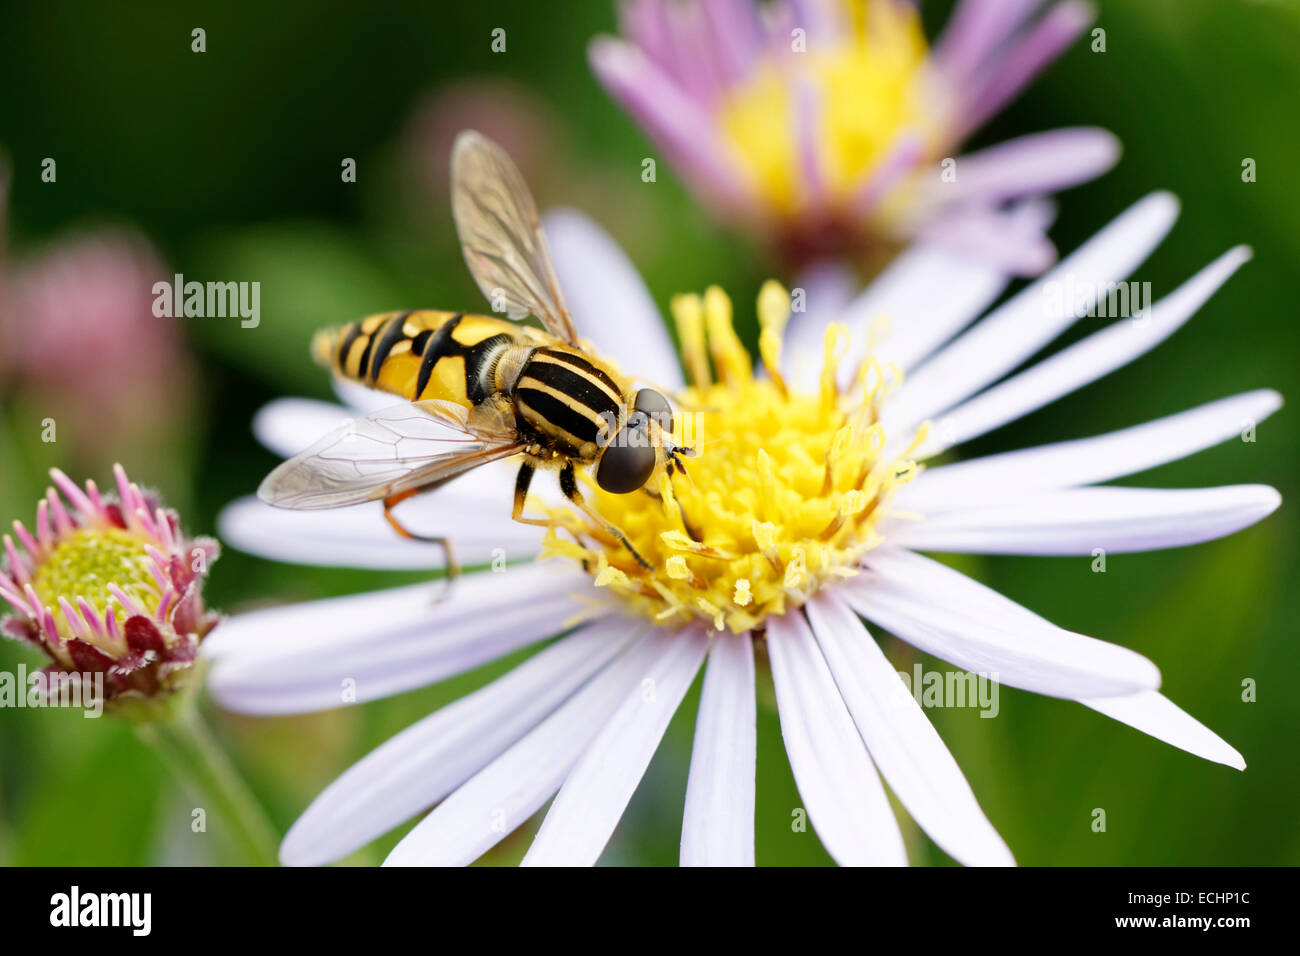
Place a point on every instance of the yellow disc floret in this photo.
(864, 90)
(88, 560)
(782, 497)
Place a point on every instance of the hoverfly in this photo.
(478, 389)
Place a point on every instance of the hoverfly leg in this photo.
(522, 481)
(569, 485)
(686, 524)
(451, 565)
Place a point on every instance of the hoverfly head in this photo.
(632, 455)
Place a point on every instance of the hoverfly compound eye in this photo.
(627, 463)
(656, 407)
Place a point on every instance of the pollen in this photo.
(860, 93)
(89, 561)
(782, 496)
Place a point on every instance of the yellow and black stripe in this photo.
(566, 400)
(562, 399)
(419, 354)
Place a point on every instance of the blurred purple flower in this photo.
(830, 128)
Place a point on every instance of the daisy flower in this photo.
(806, 512)
(108, 585)
(110, 590)
(832, 129)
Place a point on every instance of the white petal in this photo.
(1085, 461)
(288, 425)
(475, 516)
(1079, 520)
(901, 740)
(505, 793)
(839, 785)
(926, 294)
(324, 654)
(718, 823)
(1157, 715)
(828, 289)
(1033, 317)
(426, 761)
(1083, 362)
(597, 790)
(610, 303)
(945, 613)
(360, 399)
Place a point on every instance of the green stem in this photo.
(187, 746)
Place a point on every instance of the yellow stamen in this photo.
(783, 498)
(688, 313)
(835, 345)
(773, 314)
(732, 362)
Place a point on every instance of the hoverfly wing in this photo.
(392, 450)
(501, 235)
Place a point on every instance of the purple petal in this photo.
(906, 153)
(974, 31)
(1028, 57)
(1031, 165)
(737, 35)
(678, 124)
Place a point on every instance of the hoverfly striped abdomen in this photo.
(351, 351)
(567, 401)
(422, 354)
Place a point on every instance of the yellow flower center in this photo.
(90, 559)
(782, 498)
(866, 89)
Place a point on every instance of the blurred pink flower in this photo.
(80, 339)
(503, 111)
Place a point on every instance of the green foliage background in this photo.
(230, 162)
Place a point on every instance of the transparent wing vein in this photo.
(501, 235)
(393, 450)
